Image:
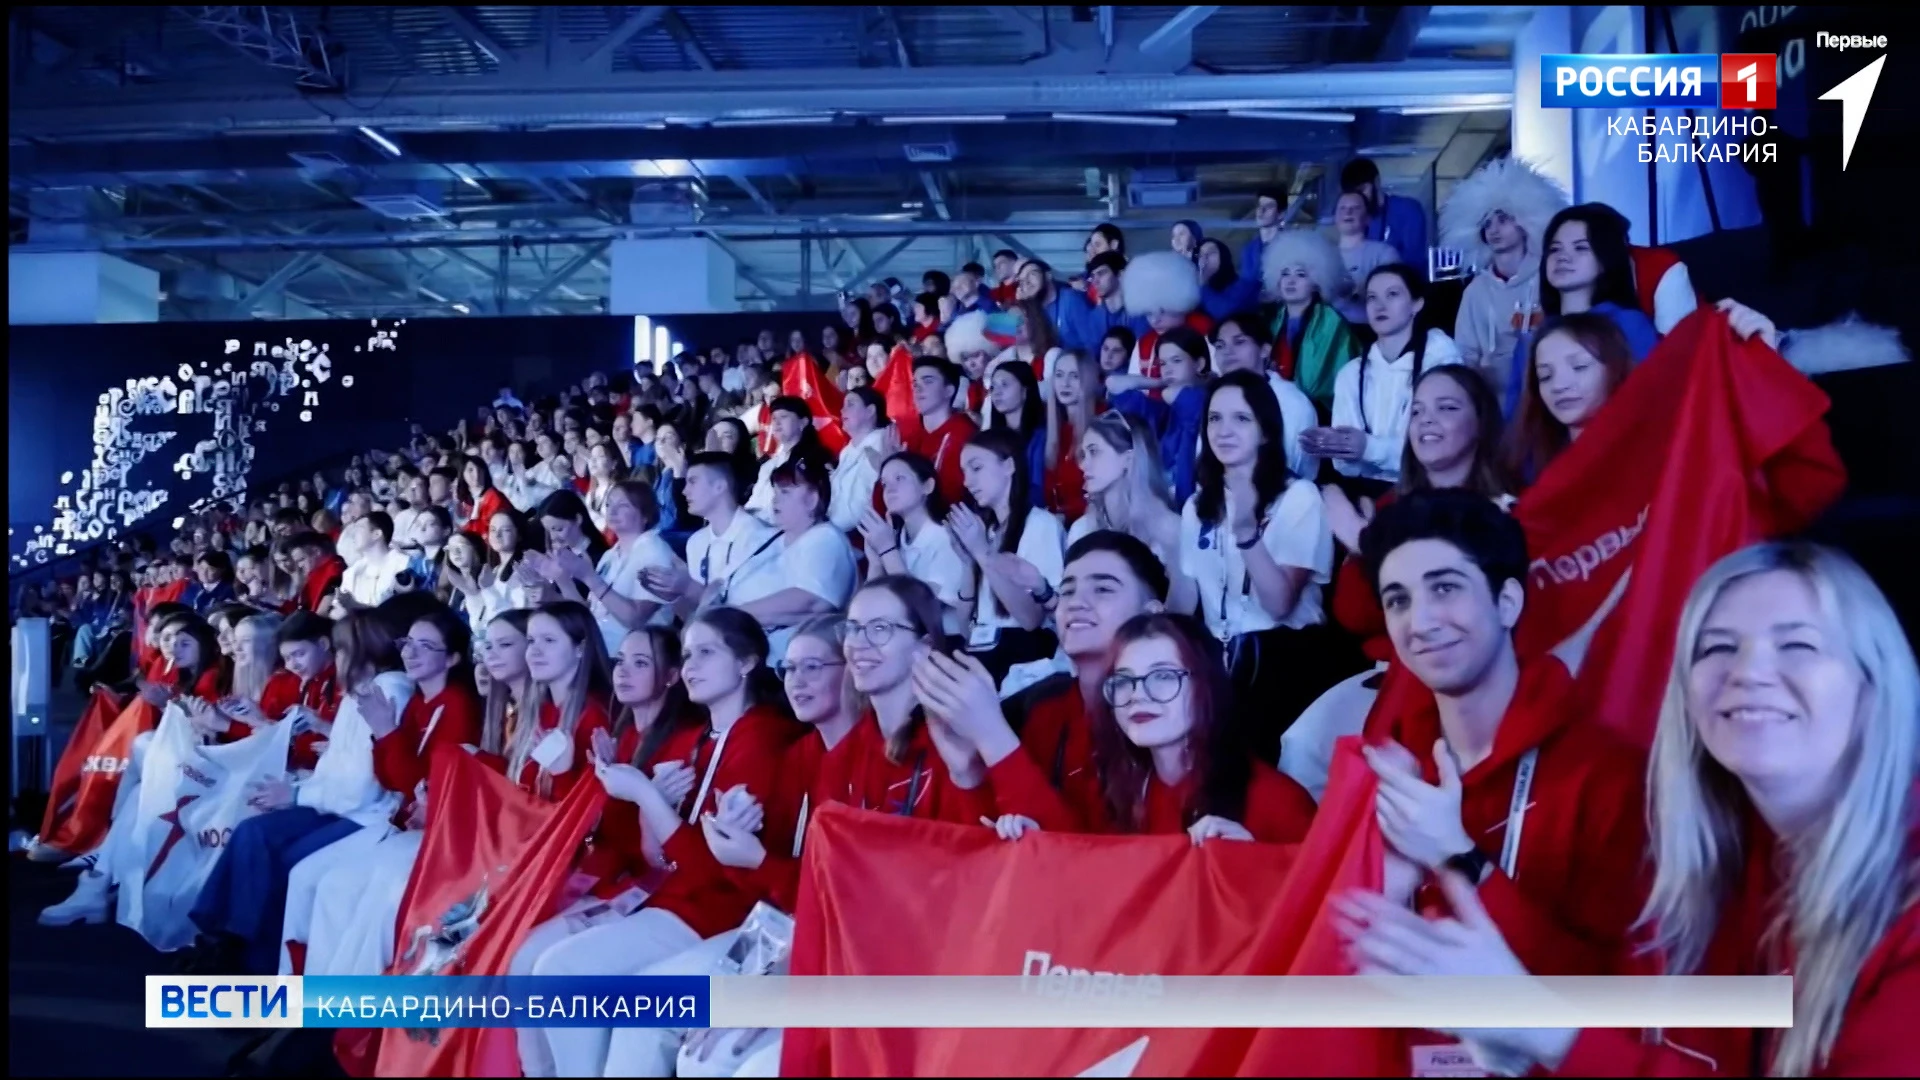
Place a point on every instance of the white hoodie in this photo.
(1382, 407)
(343, 782)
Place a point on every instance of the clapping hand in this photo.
(568, 563)
(968, 531)
(377, 710)
(667, 582)
(1420, 821)
(155, 694)
(674, 781)
(737, 809)
(878, 533)
(891, 443)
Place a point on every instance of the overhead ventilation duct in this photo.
(1157, 189)
(320, 163)
(931, 153)
(215, 285)
(404, 202)
(664, 203)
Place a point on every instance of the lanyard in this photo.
(706, 781)
(1517, 813)
(428, 734)
(726, 584)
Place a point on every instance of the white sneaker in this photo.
(44, 853)
(84, 862)
(88, 904)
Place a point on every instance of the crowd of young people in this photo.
(1116, 553)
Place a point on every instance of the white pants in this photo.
(759, 1057)
(119, 852)
(351, 901)
(1306, 750)
(624, 947)
(652, 1051)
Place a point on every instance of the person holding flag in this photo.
(1785, 839)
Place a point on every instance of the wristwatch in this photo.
(1044, 594)
(1471, 864)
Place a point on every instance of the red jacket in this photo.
(490, 504)
(324, 579)
(616, 850)
(1875, 1038)
(942, 446)
(858, 773)
(1576, 886)
(592, 718)
(321, 695)
(1148, 348)
(1052, 780)
(449, 718)
(1066, 491)
(707, 896)
(281, 693)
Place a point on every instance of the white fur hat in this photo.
(1846, 345)
(968, 334)
(1309, 248)
(1508, 184)
(1160, 281)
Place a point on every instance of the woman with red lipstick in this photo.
(1168, 756)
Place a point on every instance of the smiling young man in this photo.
(943, 430)
(1046, 772)
(1485, 773)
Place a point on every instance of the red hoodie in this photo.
(1875, 1038)
(1148, 349)
(490, 504)
(593, 717)
(1567, 906)
(281, 693)
(616, 851)
(709, 897)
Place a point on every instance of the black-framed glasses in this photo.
(1161, 686)
(808, 669)
(876, 633)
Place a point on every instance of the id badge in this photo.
(983, 638)
(1446, 1060)
(554, 753)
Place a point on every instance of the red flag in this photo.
(91, 767)
(490, 866)
(801, 378)
(1131, 905)
(1711, 445)
(896, 385)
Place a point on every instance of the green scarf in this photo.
(1326, 345)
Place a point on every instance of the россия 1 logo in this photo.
(1659, 80)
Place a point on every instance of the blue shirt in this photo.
(1402, 223)
(1067, 312)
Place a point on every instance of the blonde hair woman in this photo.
(1783, 834)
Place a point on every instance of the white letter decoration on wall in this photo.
(134, 421)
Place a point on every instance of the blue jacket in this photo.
(1068, 313)
(1403, 223)
(1220, 303)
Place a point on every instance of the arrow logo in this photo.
(1121, 1062)
(1853, 96)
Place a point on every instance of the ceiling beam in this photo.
(935, 197)
(1018, 18)
(765, 204)
(631, 99)
(1177, 30)
(276, 284)
(873, 268)
(601, 52)
(689, 43)
(1402, 32)
(890, 22)
(587, 257)
(477, 37)
(743, 266)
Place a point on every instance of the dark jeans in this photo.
(246, 894)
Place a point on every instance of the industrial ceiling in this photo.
(300, 162)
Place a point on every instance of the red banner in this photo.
(800, 377)
(1711, 445)
(87, 779)
(490, 866)
(896, 385)
(1126, 905)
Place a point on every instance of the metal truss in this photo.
(274, 37)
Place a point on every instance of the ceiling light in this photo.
(381, 141)
(974, 118)
(1114, 118)
(1447, 110)
(770, 121)
(463, 309)
(471, 182)
(1292, 114)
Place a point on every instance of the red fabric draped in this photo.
(800, 377)
(1134, 905)
(491, 864)
(87, 777)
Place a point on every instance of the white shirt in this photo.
(734, 379)
(1042, 543)
(1297, 414)
(403, 526)
(596, 500)
(743, 559)
(620, 568)
(931, 556)
(852, 482)
(343, 782)
(497, 594)
(820, 563)
(1295, 535)
(760, 499)
(374, 578)
(529, 493)
(1387, 397)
